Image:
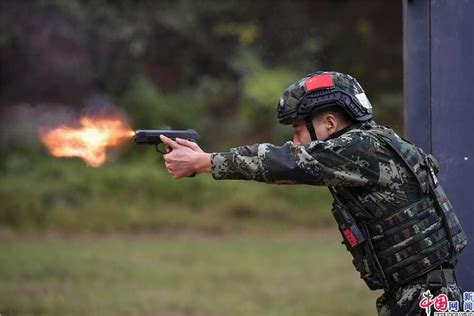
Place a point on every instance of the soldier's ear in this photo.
(331, 123)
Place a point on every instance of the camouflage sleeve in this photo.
(349, 160)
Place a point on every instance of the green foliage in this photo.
(150, 108)
(261, 89)
(136, 275)
(247, 32)
(139, 194)
(263, 86)
(216, 66)
(387, 109)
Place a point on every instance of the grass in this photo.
(138, 194)
(170, 275)
(133, 241)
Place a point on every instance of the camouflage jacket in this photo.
(351, 160)
(406, 219)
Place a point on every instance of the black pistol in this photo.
(152, 136)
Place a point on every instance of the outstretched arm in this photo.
(348, 160)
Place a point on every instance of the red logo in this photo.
(440, 302)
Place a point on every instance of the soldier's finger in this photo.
(187, 143)
(166, 157)
(167, 141)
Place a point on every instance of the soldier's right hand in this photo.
(189, 144)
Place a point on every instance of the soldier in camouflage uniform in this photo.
(393, 214)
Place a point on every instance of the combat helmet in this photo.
(321, 90)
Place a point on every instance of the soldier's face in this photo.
(324, 125)
(300, 133)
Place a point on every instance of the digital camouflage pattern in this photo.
(404, 300)
(355, 159)
(379, 187)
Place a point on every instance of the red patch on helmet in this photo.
(319, 82)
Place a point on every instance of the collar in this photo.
(345, 130)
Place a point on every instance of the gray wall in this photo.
(439, 101)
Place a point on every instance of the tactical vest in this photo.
(390, 251)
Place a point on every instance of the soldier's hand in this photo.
(189, 144)
(183, 161)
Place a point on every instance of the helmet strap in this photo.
(310, 127)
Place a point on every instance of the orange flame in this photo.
(89, 141)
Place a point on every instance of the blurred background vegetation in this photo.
(215, 66)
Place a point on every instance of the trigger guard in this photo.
(157, 148)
